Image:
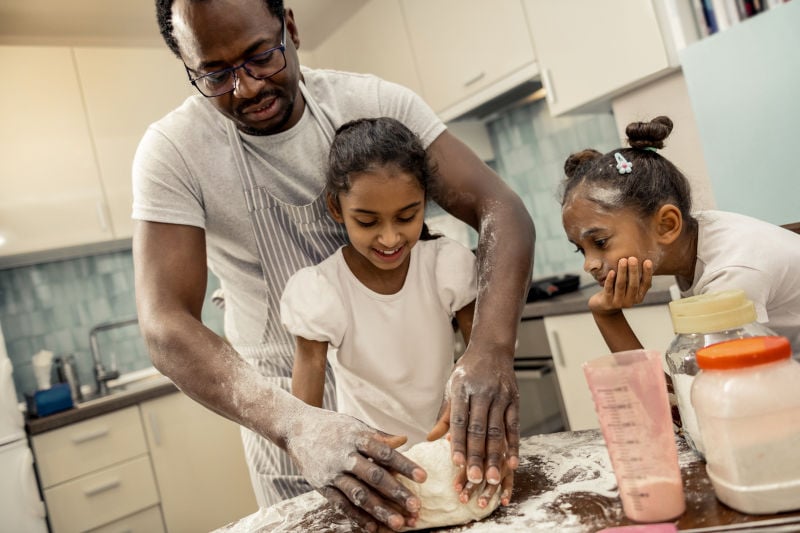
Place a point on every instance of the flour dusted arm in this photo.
(482, 391)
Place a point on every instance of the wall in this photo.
(530, 147)
(669, 96)
(54, 305)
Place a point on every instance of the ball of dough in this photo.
(440, 503)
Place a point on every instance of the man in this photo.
(233, 179)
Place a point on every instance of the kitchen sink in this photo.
(126, 384)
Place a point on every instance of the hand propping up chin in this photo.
(624, 287)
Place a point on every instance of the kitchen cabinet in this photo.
(466, 48)
(51, 191)
(199, 464)
(72, 119)
(374, 41)
(96, 471)
(164, 464)
(590, 51)
(125, 90)
(575, 339)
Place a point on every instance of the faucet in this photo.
(101, 375)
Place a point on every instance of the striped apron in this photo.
(288, 238)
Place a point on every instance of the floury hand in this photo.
(355, 475)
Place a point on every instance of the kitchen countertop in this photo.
(564, 484)
(577, 302)
(131, 394)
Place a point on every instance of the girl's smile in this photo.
(383, 212)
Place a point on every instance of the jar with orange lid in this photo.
(700, 321)
(747, 401)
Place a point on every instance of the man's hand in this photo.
(481, 411)
(351, 465)
(624, 287)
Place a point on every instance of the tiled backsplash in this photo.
(52, 306)
(530, 148)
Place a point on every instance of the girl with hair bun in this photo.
(629, 212)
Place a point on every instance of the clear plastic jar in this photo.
(701, 321)
(747, 401)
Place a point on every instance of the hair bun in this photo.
(578, 159)
(649, 134)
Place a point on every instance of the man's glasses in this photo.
(260, 66)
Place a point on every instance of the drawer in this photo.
(102, 497)
(147, 521)
(532, 339)
(88, 446)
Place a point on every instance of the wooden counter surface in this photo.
(564, 485)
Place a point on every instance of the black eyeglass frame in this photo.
(243, 65)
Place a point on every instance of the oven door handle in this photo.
(535, 369)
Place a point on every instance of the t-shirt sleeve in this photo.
(753, 282)
(163, 190)
(408, 107)
(456, 275)
(311, 308)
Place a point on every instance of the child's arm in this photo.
(622, 289)
(464, 318)
(308, 373)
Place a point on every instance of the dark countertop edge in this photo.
(578, 301)
(115, 402)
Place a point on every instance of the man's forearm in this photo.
(505, 262)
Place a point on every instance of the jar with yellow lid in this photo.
(700, 321)
(747, 401)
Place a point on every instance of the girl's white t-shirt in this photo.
(391, 354)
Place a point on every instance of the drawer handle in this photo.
(90, 435)
(474, 79)
(103, 487)
(558, 353)
(547, 82)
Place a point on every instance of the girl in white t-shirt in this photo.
(629, 213)
(381, 308)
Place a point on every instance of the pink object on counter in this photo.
(666, 527)
(630, 396)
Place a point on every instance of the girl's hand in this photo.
(624, 287)
(351, 465)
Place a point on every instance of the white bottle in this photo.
(700, 321)
(747, 400)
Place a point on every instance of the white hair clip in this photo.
(623, 165)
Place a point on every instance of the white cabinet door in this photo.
(126, 89)
(463, 47)
(575, 339)
(50, 193)
(373, 41)
(199, 464)
(589, 51)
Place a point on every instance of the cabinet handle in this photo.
(101, 216)
(556, 348)
(155, 430)
(90, 435)
(102, 487)
(549, 91)
(477, 77)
